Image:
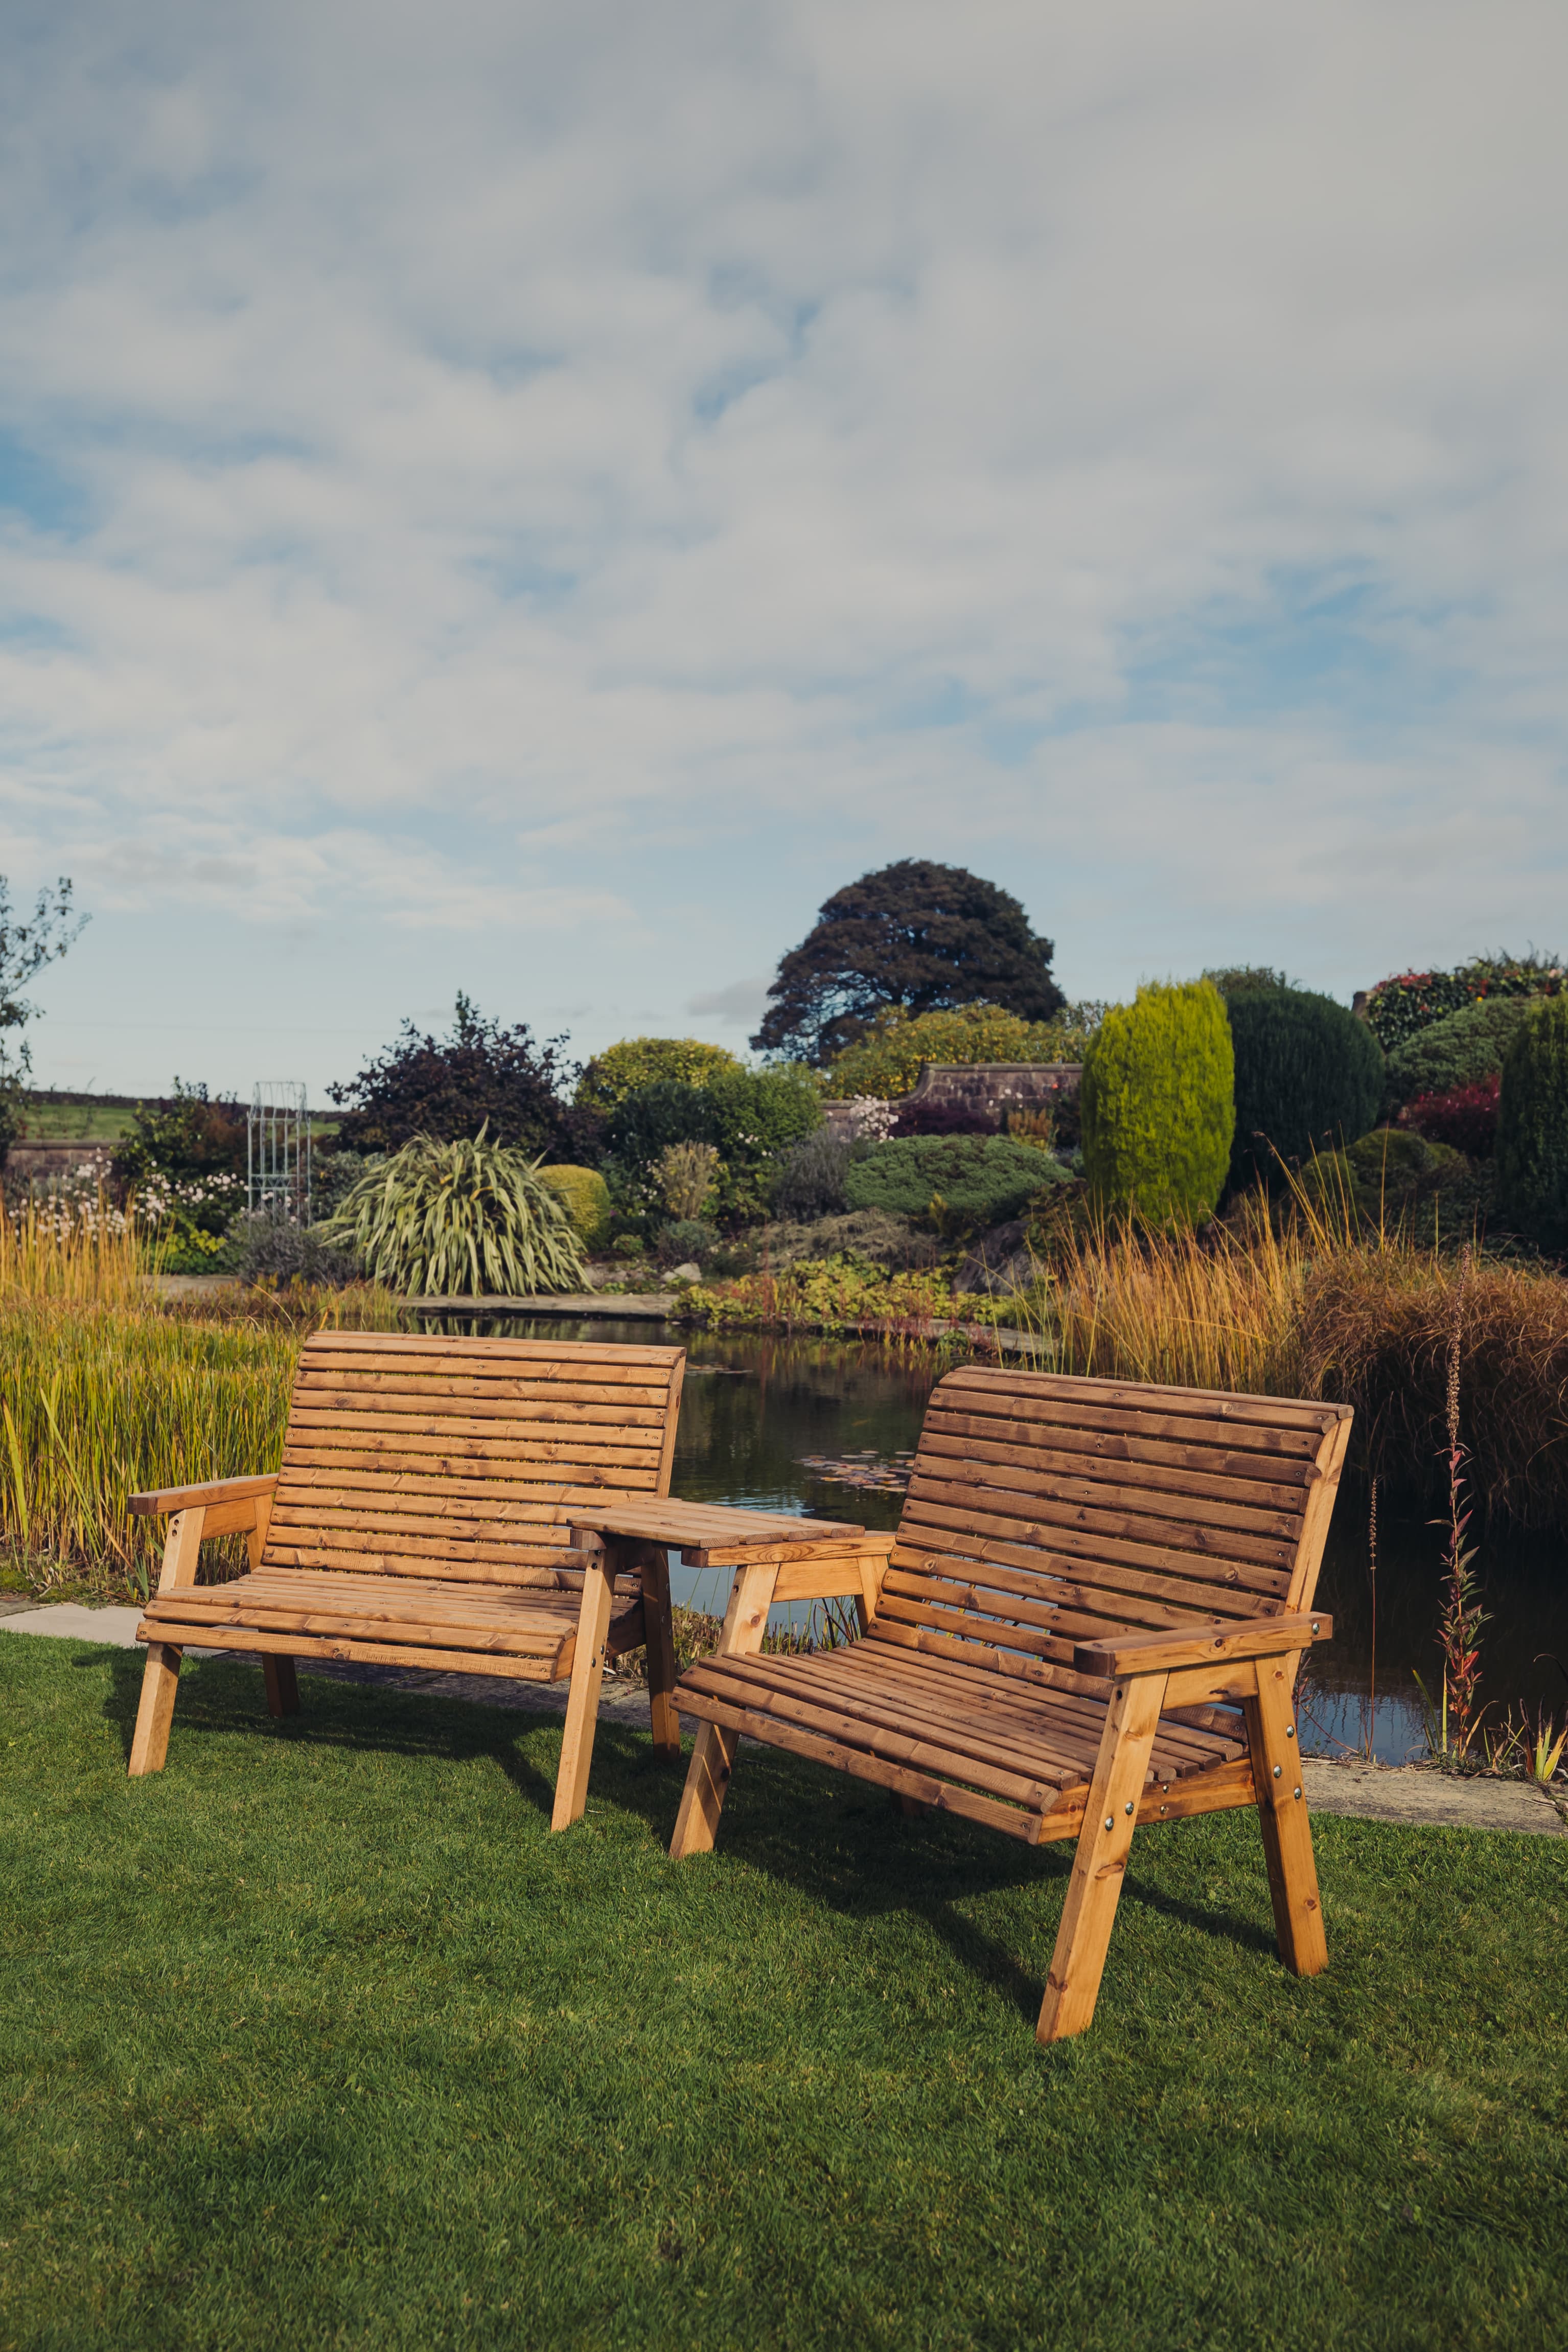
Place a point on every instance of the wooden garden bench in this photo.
(1090, 1619)
(422, 1517)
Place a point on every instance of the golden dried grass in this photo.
(1311, 1305)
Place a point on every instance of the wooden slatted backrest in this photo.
(1044, 1511)
(436, 1457)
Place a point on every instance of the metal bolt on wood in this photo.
(1108, 1822)
(1277, 1769)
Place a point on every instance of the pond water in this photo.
(820, 1425)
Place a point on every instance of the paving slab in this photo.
(1420, 1797)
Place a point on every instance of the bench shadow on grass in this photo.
(226, 1697)
(837, 1840)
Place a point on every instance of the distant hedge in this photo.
(1463, 1049)
(1400, 1007)
(953, 1182)
(1309, 1076)
(886, 1062)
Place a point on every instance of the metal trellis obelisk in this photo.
(278, 1150)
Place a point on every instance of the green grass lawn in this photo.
(321, 2039)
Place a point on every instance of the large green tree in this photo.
(924, 937)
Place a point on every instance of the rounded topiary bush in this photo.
(1464, 1049)
(1309, 1077)
(585, 1197)
(953, 1181)
(1158, 1105)
(1532, 1126)
(1379, 1180)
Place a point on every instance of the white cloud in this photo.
(740, 1004)
(487, 454)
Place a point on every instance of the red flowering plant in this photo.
(1465, 1117)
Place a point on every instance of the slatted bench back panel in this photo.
(428, 1456)
(1044, 1511)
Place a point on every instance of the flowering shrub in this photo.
(1399, 1007)
(1464, 1118)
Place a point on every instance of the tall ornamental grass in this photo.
(101, 1403)
(1311, 1307)
(106, 1392)
(71, 1252)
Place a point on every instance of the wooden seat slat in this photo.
(502, 1432)
(1268, 1479)
(471, 1541)
(346, 1648)
(470, 1522)
(1051, 1749)
(1264, 1443)
(894, 1747)
(466, 1568)
(984, 1510)
(1047, 1433)
(1165, 1495)
(1079, 1549)
(1060, 1582)
(547, 1499)
(337, 1407)
(605, 1465)
(1005, 1699)
(1226, 1407)
(492, 1608)
(608, 1359)
(1071, 1556)
(496, 1387)
(1060, 1738)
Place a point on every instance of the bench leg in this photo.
(659, 1638)
(160, 1678)
(707, 1786)
(1121, 1768)
(713, 1756)
(1282, 1813)
(282, 1685)
(583, 1698)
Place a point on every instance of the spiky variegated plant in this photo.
(455, 1220)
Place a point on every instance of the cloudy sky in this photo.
(532, 497)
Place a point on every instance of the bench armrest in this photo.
(1222, 1643)
(167, 1499)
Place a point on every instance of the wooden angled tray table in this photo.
(790, 1559)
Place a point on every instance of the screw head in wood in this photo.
(1277, 1769)
(1289, 1731)
(1314, 1624)
(1296, 1792)
(1128, 1808)
(1108, 1822)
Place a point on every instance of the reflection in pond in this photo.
(824, 1426)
